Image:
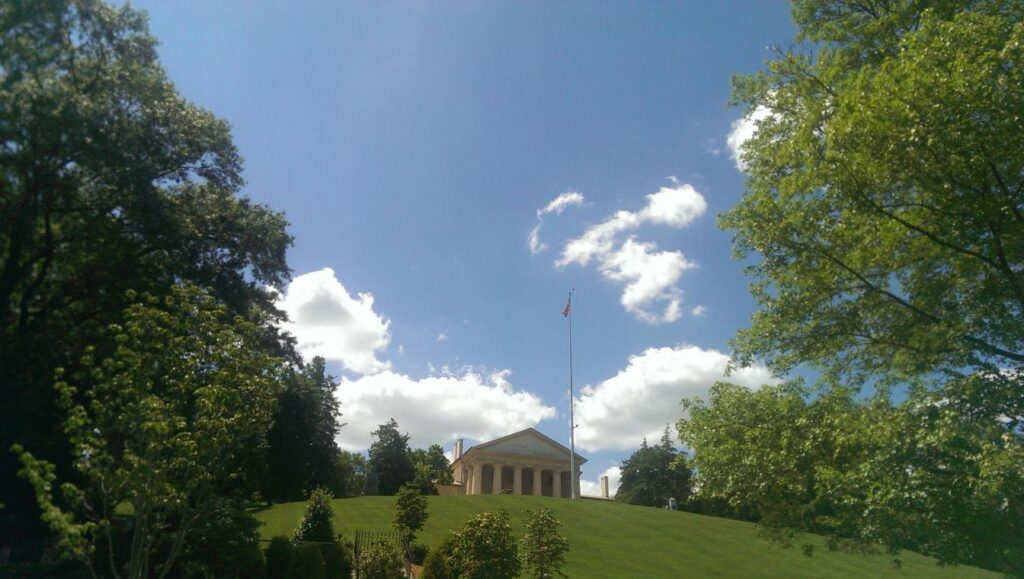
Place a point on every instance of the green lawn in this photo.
(615, 540)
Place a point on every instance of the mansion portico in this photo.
(522, 463)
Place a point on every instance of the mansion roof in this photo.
(527, 443)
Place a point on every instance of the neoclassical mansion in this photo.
(522, 463)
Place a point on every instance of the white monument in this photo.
(522, 463)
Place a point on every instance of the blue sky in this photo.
(414, 147)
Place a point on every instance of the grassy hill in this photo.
(614, 540)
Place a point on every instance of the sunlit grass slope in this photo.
(621, 541)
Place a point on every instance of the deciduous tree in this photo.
(169, 414)
(484, 548)
(543, 549)
(109, 181)
(884, 219)
(390, 458)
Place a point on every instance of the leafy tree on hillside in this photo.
(883, 213)
(775, 470)
(864, 471)
(351, 477)
(410, 514)
(435, 462)
(654, 474)
(543, 549)
(484, 548)
(110, 181)
(168, 415)
(390, 458)
(318, 521)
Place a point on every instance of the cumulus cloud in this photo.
(556, 206)
(743, 130)
(648, 275)
(592, 488)
(698, 311)
(327, 321)
(644, 396)
(436, 409)
(441, 337)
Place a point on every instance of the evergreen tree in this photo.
(302, 440)
(318, 522)
(654, 474)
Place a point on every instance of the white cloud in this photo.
(436, 409)
(743, 130)
(643, 397)
(592, 488)
(327, 321)
(556, 206)
(649, 275)
(698, 311)
(401, 349)
(441, 337)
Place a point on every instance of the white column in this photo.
(576, 483)
(478, 479)
(536, 481)
(517, 480)
(496, 485)
(556, 486)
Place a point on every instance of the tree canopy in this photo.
(301, 441)
(883, 220)
(162, 429)
(884, 195)
(654, 474)
(390, 458)
(109, 181)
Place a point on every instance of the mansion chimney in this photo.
(458, 448)
(604, 487)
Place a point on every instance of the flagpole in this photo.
(572, 420)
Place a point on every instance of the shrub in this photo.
(307, 562)
(337, 561)
(486, 549)
(418, 553)
(543, 549)
(410, 512)
(318, 522)
(381, 561)
(439, 563)
(279, 557)
(224, 544)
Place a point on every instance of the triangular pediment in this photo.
(529, 442)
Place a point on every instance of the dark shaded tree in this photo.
(654, 474)
(109, 180)
(301, 442)
(390, 458)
